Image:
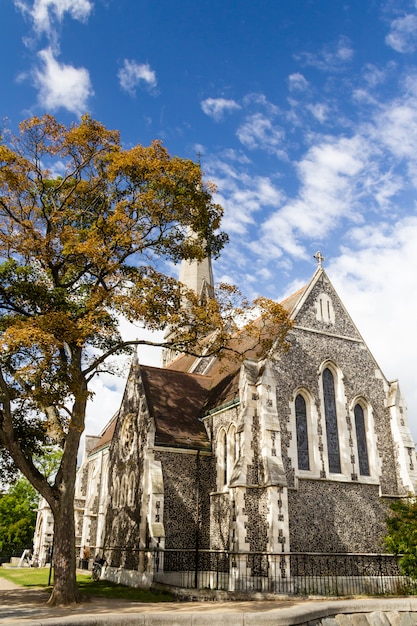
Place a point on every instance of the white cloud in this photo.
(403, 34)
(217, 107)
(297, 82)
(260, 100)
(319, 111)
(374, 75)
(329, 174)
(240, 193)
(397, 128)
(331, 57)
(44, 12)
(61, 86)
(132, 74)
(259, 132)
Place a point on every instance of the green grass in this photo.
(38, 577)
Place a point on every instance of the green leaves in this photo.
(18, 514)
(402, 534)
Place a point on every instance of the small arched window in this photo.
(116, 493)
(131, 490)
(330, 412)
(123, 491)
(361, 440)
(302, 433)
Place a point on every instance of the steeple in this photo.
(197, 276)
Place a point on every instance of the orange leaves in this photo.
(46, 332)
(87, 224)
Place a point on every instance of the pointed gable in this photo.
(318, 307)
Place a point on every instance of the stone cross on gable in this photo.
(319, 257)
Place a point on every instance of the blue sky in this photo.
(304, 113)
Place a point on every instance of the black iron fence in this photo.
(295, 573)
(9, 550)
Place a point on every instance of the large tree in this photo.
(85, 229)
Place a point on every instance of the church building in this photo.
(298, 452)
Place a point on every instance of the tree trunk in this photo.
(65, 590)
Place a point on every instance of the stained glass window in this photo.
(333, 450)
(361, 441)
(302, 433)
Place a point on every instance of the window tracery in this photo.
(302, 433)
(330, 412)
(360, 429)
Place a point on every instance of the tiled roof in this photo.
(106, 436)
(290, 302)
(175, 401)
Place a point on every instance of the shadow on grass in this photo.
(107, 589)
(38, 578)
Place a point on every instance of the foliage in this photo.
(85, 230)
(18, 514)
(402, 533)
(38, 577)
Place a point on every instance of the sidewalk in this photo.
(21, 606)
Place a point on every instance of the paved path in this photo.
(21, 606)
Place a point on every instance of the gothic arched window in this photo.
(232, 444)
(116, 493)
(330, 413)
(131, 490)
(302, 433)
(123, 491)
(361, 440)
(225, 460)
(222, 458)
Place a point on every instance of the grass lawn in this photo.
(38, 577)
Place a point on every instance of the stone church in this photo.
(298, 452)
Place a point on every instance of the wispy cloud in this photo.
(134, 74)
(217, 107)
(297, 82)
(403, 34)
(258, 131)
(240, 191)
(260, 101)
(332, 57)
(61, 86)
(395, 129)
(320, 111)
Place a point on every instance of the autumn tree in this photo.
(85, 227)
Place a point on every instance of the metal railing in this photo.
(296, 573)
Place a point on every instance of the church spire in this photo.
(198, 277)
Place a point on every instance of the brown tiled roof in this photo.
(175, 400)
(290, 302)
(106, 436)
